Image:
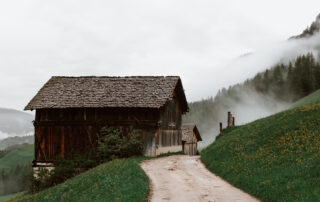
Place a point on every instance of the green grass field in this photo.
(118, 180)
(20, 155)
(274, 159)
(313, 98)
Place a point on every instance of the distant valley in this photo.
(15, 128)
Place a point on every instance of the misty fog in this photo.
(266, 57)
(250, 107)
(15, 123)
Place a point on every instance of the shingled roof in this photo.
(98, 92)
(187, 131)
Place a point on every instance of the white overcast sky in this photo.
(193, 39)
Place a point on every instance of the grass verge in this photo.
(274, 159)
(118, 180)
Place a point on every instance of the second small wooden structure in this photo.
(190, 138)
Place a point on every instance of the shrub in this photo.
(113, 144)
(132, 146)
(63, 170)
(41, 181)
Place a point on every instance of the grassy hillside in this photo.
(12, 141)
(118, 180)
(275, 159)
(15, 169)
(7, 197)
(311, 99)
(20, 155)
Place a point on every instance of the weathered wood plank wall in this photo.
(65, 131)
(170, 135)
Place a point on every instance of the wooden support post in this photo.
(220, 127)
(233, 121)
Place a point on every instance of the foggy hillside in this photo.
(310, 31)
(291, 71)
(14, 141)
(15, 123)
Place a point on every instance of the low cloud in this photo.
(248, 65)
(246, 104)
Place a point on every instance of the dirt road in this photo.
(185, 178)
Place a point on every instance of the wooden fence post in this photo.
(229, 121)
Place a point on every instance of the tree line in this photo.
(285, 82)
(289, 82)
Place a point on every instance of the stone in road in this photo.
(185, 178)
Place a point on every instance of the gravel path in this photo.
(185, 178)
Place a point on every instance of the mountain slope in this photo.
(14, 123)
(13, 141)
(293, 73)
(275, 159)
(15, 169)
(310, 31)
(311, 99)
(21, 155)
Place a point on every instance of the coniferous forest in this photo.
(289, 82)
(283, 83)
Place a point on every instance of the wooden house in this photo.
(70, 111)
(190, 139)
